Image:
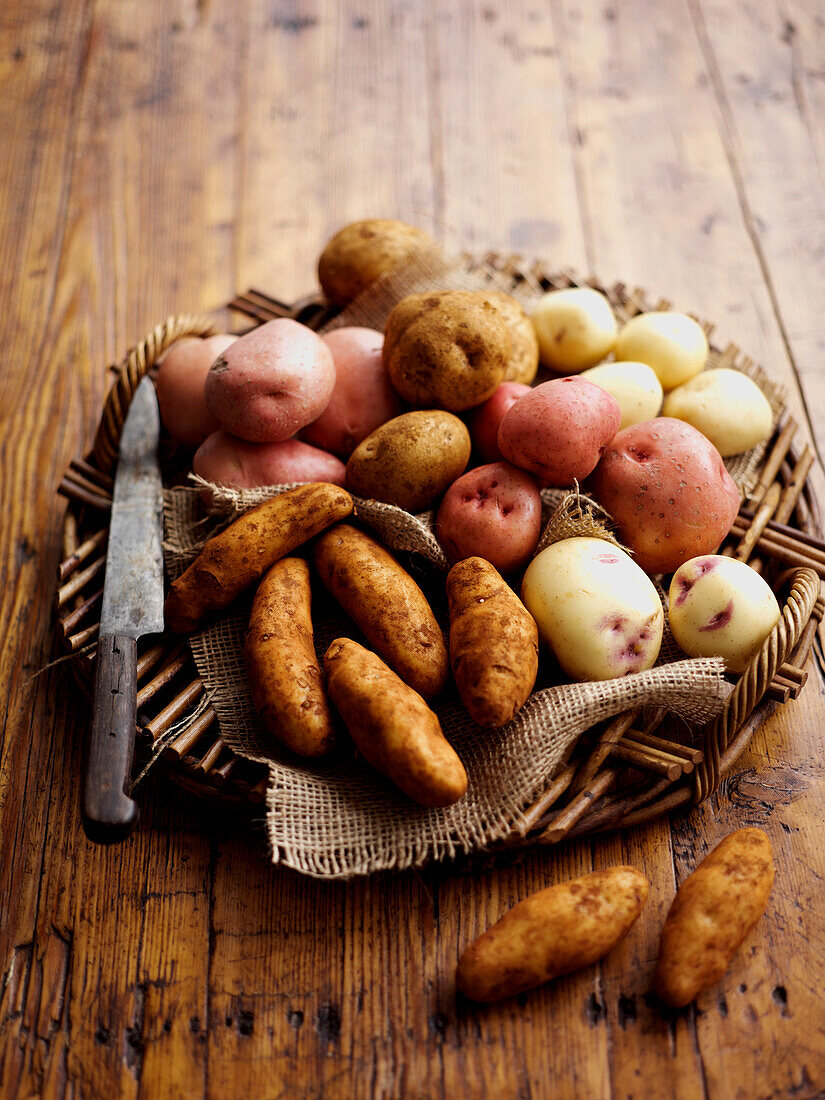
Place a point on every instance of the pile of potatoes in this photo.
(442, 411)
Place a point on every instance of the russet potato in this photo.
(365, 250)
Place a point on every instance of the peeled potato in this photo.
(595, 608)
(720, 607)
(576, 328)
(672, 343)
(635, 387)
(726, 406)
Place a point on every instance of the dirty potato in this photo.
(392, 726)
(235, 558)
(387, 605)
(556, 931)
(494, 643)
(284, 675)
(446, 349)
(524, 357)
(713, 911)
(363, 251)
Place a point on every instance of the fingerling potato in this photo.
(713, 911)
(553, 932)
(284, 675)
(392, 726)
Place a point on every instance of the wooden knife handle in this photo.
(109, 814)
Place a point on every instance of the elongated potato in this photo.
(284, 674)
(494, 642)
(235, 558)
(387, 604)
(553, 932)
(712, 913)
(392, 726)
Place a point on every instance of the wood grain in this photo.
(159, 156)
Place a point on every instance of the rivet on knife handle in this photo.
(109, 814)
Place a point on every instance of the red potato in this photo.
(492, 512)
(271, 383)
(667, 488)
(180, 380)
(484, 421)
(363, 398)
(559, 430)
(226, 460)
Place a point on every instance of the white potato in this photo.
(635, 386)
(576, 328)
(672, 343)
(720, 607)
(595, 608)
(726, 406)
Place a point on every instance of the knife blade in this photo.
(132, 606)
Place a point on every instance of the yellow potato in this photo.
(284, 674)
(556, 931)
(726, 406)
(387, 605)
(392, 726)
(635, 386)
(494, 643)
(235, 558)
(713, 911)
(576, 328)
(673, 344)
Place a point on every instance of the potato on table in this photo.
(235, 558)
(387, 605)
(284, 674)
(494, 643)
(556, 931)
(392, 726)
(713, 911)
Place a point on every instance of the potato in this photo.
(239, 555)
(553, 932)
(494, 643)
(485, 420)
(667, 488)
(363, 251)
(494, 512)
(524, 357)
(720, 607)
(392, 726)
(576, 328)
(284, 675)
(559, 430)
(726, 406)
(673, 344)
(180, 380)
(713, 911)
(387, 605)
(363, 397)
(595, 608)
(635, 387)
(224, 459)
(410, 461)
(446, 349)
(271, 383)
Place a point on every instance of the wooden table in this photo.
(159, 156)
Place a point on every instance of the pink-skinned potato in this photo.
(666, 486)
(180, 380)
(559, 430)
(363, 398)
(224, 459)
(484, 421)
(492, 512)
(271, 383)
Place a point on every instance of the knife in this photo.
(132, 607)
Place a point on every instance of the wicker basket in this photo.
(619, 775)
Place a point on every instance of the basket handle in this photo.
(136, 363)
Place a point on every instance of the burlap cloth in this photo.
(339, 818)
